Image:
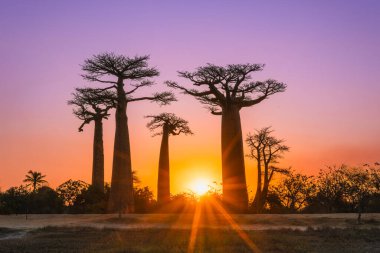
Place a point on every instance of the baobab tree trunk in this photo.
(98, 157)
(233, 169)
(257, 199)
(121, 195)
(163, 184)
(264, 192)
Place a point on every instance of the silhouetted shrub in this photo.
(45, 200)
(14, 200)
(144, 200)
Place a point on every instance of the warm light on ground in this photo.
(199, 186)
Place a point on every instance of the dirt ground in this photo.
(328, 233)
(184, 221)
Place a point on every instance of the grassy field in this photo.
(173, 233)
(58, 239)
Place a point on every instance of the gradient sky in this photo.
(326, 51)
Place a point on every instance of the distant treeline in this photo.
(335, 189)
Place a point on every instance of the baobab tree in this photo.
(169, 124)
(94, 105)
(266, 150)
(34, 179)
(226, 91)
(114, 70)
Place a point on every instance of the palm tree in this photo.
(34, 179)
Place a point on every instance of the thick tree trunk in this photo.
(121, 195)
(233, 169)
(98, 157)
(163, 184)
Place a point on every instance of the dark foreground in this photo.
(84, 239)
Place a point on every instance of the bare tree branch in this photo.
(228, 86)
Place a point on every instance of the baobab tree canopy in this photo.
(101, 67)
(113, 70)
(225, 90)
(175, 125)
(228, 86)
(92, 104)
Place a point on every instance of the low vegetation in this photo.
(54, 239)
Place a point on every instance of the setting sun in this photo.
(199, 186)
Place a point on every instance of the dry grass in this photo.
(171, 232)
(74, 239)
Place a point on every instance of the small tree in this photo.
(94, 105)
(34, 179)
(168, 124)
(266, 150)
(226, 91)
(358, 188)
(114, 70)
(330, 189)
(70, 190)
(295, 190)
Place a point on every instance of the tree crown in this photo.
(173, 124)
(34, 179)
(226, 86)
(105, 66)
(270, 148)
(92, 104)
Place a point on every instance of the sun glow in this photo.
(199, 186)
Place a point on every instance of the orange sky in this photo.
(328, 115)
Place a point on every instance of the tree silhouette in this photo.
(266, 150)
(359, 186)
(226, 91)
(330, 188)
(94, 105)
(70, 190)
(34, 179)
(295, 190)
(169, 124)
(113, 70)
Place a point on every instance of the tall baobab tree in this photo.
(169, 124)
(94, 105)
(226, 91)
(114, 70)
(266, 150)
(34, 179)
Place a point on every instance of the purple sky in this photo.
(326, 51)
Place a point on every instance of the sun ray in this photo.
(241, 233)
(194, 228)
